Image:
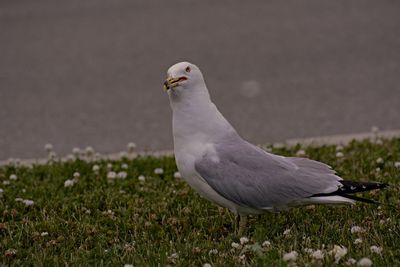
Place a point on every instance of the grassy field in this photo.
(111, 217)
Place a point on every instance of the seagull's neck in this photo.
(197, 119)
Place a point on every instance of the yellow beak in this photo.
(173, 82)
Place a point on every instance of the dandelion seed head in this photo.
(124, 166)
(350, 261)
(96, 168)
(177, 175)
(128, 265)
(213, 251)
(111, 175)
(397, 164)
(235, 245)
(338, 252)
(318, 254)
(141, 178)
(300, 153)
(356, 229)
(28, 202)
(69, 183)
(44, 234)
(122, 175)
(76, 151)
(1, 190)
(291, 256)
(76, 175)
(376, 249)
(364, 262)
(358, 241)
(374, 129)
(207, 265)
(13, 177)
(131, 147)
(89, 151)
(266, 243)
(48, 147)
(6, 182)
(379, 160)
(286, 232)
(158, 171)
(339, 148)
(244, 240)
(339, 154)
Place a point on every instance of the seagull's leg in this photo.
(242, 224)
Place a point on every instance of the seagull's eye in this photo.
(188, 69)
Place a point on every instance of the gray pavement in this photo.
(79, 73)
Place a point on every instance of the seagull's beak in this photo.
(173, 82)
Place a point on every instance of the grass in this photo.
(162, 221)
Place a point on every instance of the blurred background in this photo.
(90, 73)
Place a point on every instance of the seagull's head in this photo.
(183, 76)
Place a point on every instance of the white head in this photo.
(185, 80)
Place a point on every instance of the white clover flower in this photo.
(376, 249)
(379, 160)
(177, 175)
(76, 175)
(69, 183)
(76, 151)
(358, 241)
(339, 154)
(1, 190)
(350, 261)
(141, 178)
(235, 245)
(318, 254)
(28, 202)
(123, 154)
(6, 182)
(338, 252)
(300, 153)
(397, 164)
(18, 199)
(96, 168)
(111, 175)
(213, 252)
(207, 265)
(158, 171)
(13, 177)
(266, 243)
(44, 234)
(48, 148)
(124, 166)
(131, 147)
(356, 229)
(23, 190)
(364, 262)
(378, 169)
(291, 256)
(122, 175)
(244, 240)
(128, 265)
(286, 232)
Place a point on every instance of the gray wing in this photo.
(249, 176)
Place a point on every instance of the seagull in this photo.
(226, 169)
